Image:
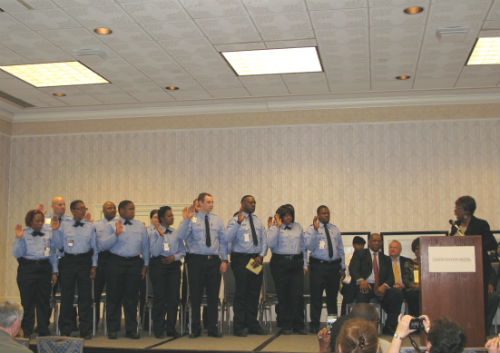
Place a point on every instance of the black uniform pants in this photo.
(391, 303)
(33, 280)
(122, 287)
(323, 276)
(288, 275)
(204, 276)
(75, 272)
(246, 296)
(100, 280)
(166, 279)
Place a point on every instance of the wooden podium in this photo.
(457, 295)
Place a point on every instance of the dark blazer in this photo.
(480, 227)
(361, 267)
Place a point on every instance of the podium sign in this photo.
(451, 283)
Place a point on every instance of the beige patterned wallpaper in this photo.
(374, 176)
(5, 245)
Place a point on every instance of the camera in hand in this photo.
(417, 324)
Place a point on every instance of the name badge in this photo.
(194, 219)
(47, 220)
(46, 251)
(166, 247)
(71, 242)
(246, 237)
(415, 276)
(322, 244)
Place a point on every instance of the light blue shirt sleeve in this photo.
(36, 247)
(240, 236)
(193, 232)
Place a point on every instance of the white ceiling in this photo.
(363, 45)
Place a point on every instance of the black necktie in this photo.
(78, 224)
(37, 233)
(207, 231)
(167, 231)
(127, 222)
(330, 247)
(59, 219)
(252, 227)
(288, 227)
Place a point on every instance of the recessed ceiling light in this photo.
(1, 10)
(274, 61)
(59, 94)
(485, 52)
(103, 30)
(403, 77)
(55, 74)
(172, 88)
(413, 10)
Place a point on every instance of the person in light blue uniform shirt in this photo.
(76, 239)
(248, 239)
(103, 227)
(167, 251)
(34, 249)
(288, 265)
(327, 264)
(203, 233)
(127, 241)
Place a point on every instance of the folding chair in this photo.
(228, 301)
(269, 297)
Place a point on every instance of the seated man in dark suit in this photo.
(372, 272)
(399, 264)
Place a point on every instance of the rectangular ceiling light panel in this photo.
(274, 61)
(485, 52)
(55, 74)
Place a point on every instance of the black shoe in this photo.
(286, 332)
(299, 331)
(159, 334)
(87, 336)
(112, 335)
(214, 334)
(173, 333)
(195, 334)
(66, 334)
(241, 333)
(133, 335)
(257, 331)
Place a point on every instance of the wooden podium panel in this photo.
(456, 295)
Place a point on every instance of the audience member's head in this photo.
(358, 335)
(415, 247)
(358, 243)
(11, 315)
(395, 249)
(445, 336)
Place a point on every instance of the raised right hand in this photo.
(119, 227)
(54, 223)
(19, 231)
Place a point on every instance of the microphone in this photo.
(454, 225)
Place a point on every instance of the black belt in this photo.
(161, 257)
(288, 257)
(208, 257)
(85, 254)
(125, 258)
(234, 253)
(24, 261)
(318, 261)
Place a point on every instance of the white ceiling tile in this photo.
(393, 85)
(104, 14)
(264, 85)
(127, 33)
(394, 16)
(83, 3)
(39, 20)
(17, 6)
(152, 96)
(9, 24)
(114, 98)
(398, 3)
(350, 36)
(344, 18)
(291, 43)
(182, 94)
(264, 7)
(214, 8)
(494, 14)
(229, 92)
(240, 46)
(349, 87)
(479, 76)
(489, 25)
(458, 12)
(229, 29)
(79, 100)
(284, 26)
(9, 57)
(315, 5)
(217, 82)
(433, 83)
(156, 10)
(308, 83)
(176, 31)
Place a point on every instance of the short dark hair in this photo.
(152, 213)
(244, 197)
(124, 204)
(73, 204)
(162, 211)
(284, 210)
(467, 203)
(446, 336)
(415, 244)
(320, 207)
(28, 219)
(370, 235)
(358, 240)
(201, 196)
